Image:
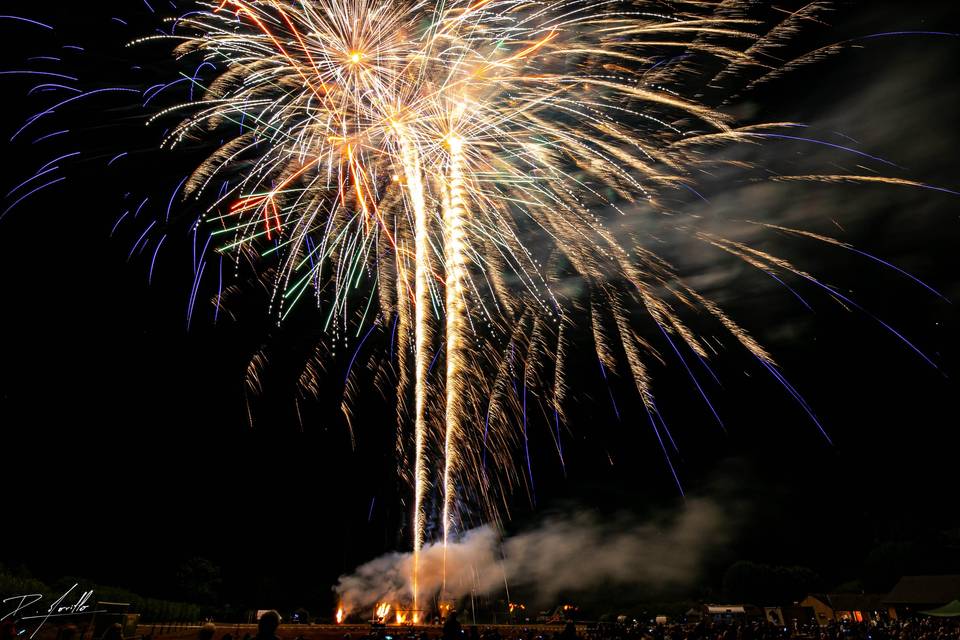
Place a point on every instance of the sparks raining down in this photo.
(441, 171)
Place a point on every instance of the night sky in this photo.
(127, 436)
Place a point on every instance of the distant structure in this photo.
(111, 613)
(791, 616)
(725, 612)
(920, 593)
(848, 607)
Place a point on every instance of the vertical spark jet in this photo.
(414, 180)
(455, 259)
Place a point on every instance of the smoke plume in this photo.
(567, 554)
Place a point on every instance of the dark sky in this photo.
(125, 435)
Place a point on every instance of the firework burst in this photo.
(440, 169)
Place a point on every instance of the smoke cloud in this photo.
(566, 554)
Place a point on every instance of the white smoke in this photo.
(565, 554)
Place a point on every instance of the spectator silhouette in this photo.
(569, 631)
(451, 628)
(206, 631)
(267, 626)
(69, 632)
(113, 632)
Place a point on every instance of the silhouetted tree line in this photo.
(768, 584)
(21, 582)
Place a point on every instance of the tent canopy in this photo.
(949, 610)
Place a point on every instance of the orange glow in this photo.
(340, 615)
(478, 5)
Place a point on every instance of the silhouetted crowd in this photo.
(911, 629)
